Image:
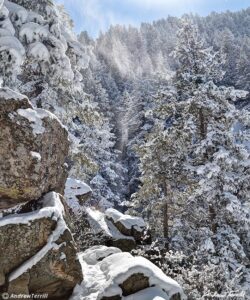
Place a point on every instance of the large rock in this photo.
(126, 224)
(33, 149)
(121, 276)
(107, 232)
(76, 194)
(38, 254)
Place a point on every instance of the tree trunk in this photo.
(165, 221)
(203, 129)
(212, 216)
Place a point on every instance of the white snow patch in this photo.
(14, 47)
(52, 206)
(8, 94)
(93, 282)
(17, 12)
(63, 256)
(36, 155)
(39, 51)
(96, 253)
(35, 117)
(35, 17)
(4, 32)
(99, 224)
(119, 267)
(126, 220)
(151, 293)
(74, 188)
(33, 32)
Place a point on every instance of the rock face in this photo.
(33, 149)
(38, 254)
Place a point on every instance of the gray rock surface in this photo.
(38, 253)
(33, 149)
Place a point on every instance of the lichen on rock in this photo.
(25, 130)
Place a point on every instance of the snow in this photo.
(119, 267)
(34, 17)
(32, 32)
(35, 117)
(39, 51)
(151, 293)
(103, 278)
(36, 155)
(126, 220)
(14, 47)
(63, 256)
(52, 207)
(17, 12)
(208, 246)
(74, 188)
(92, 283)
(4, 11)
(8, 94)
(99, 223)
(5, 22)
(96, 253)
(4, 32)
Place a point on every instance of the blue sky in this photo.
(96, 15)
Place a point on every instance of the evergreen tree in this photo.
(195, 164)
(41, 48)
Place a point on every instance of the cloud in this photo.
(163, 4)
(95, 15)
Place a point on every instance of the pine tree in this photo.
(51, 64)
(197, 150)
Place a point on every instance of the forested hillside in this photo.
(133, 65)
(158, 120)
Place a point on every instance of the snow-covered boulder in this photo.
(126, 224)
(97, 253)
(112, 228)
(38, 254)
(76, 193)
(121, 276)
(107, 232)
(33, 149)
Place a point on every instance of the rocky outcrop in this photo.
(38, 254)
(120, 276)
(33, 149)
(126, 224)
(108, 234)
(116, 229)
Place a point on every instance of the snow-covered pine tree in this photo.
(38, 45)
(204, 162)
(242, 64)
